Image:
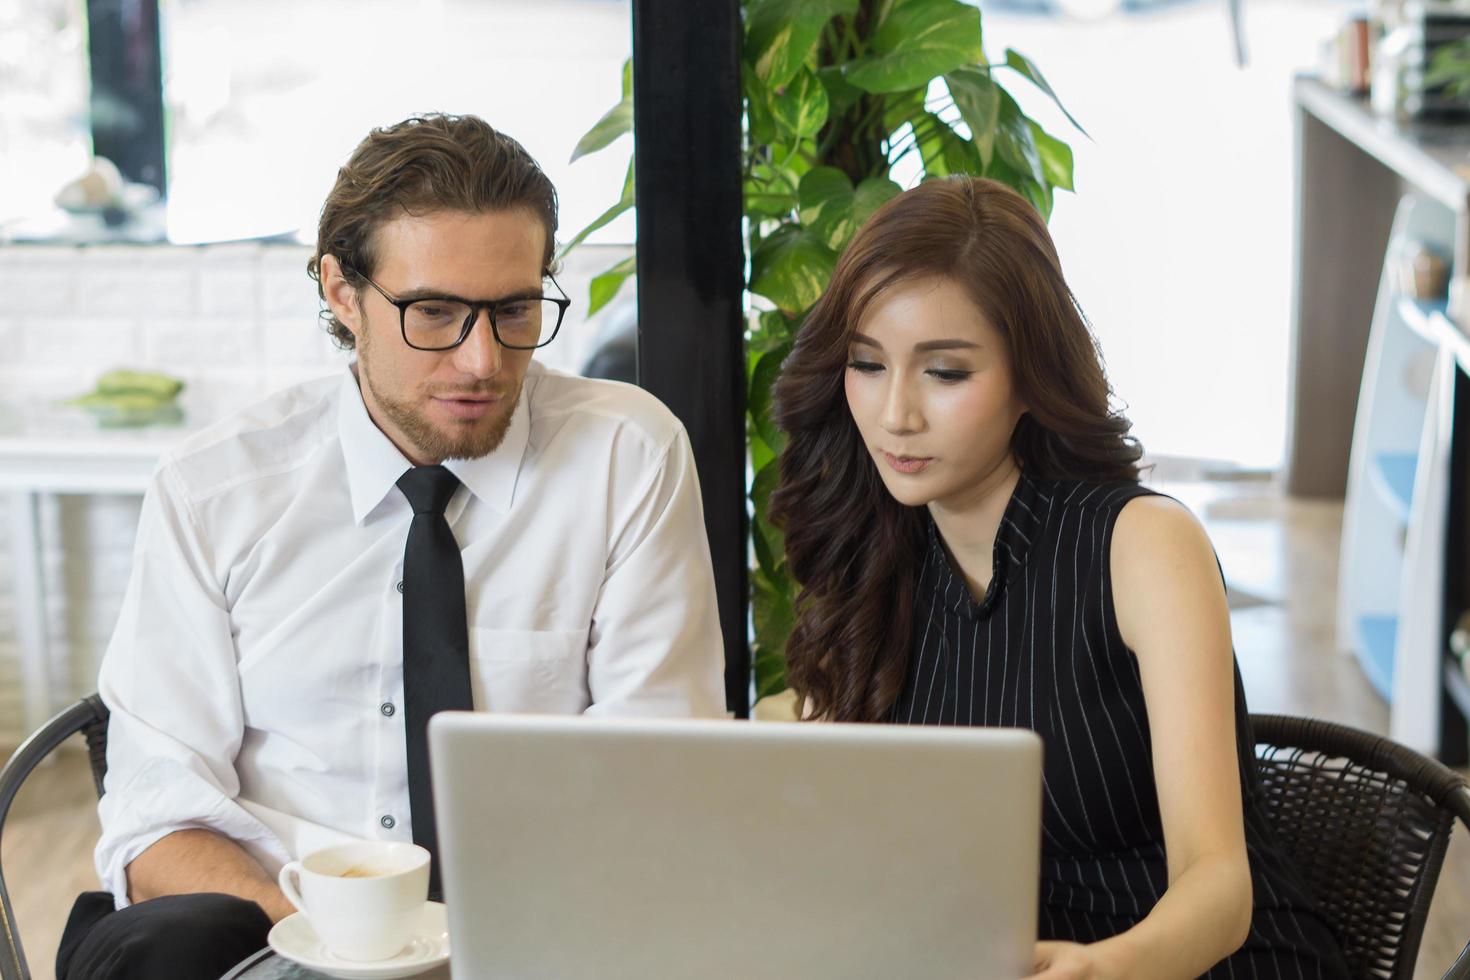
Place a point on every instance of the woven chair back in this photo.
(1367, 823)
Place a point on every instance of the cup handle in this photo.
(289, 886)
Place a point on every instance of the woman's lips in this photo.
(468, 409)
(908, 465)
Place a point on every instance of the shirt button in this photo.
(387, 821)
(399, 587)
(387, 709)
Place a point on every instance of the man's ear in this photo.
(341, 295)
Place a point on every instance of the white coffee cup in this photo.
(363, 899)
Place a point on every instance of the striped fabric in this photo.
(1042, 651)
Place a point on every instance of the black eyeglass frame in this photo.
(489, 305)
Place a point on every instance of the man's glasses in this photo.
(443, 323)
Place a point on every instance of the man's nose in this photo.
(480, 354)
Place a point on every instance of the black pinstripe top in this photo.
(1042, 651)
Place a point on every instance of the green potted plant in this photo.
(837, 95)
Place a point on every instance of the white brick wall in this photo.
(233, 321)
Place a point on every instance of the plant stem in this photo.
(855, 47)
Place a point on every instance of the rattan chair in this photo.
(88, 716)
(1367, 822)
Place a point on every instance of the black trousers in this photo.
(181, 937)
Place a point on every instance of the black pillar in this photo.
(127, 88)
(691, 270)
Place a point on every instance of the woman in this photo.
(962, 510)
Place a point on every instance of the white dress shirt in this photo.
(256, 672)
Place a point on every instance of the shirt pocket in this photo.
(529, 671)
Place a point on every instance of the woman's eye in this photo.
(864, 367)
(949, 376)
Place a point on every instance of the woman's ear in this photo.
(341, 295)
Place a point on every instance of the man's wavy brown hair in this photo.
(420, 166)
(855, 551)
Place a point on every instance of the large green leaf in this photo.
(836, 217)
(944, 151)
(802, 108)
(616, 122)
(825, 198)
(771, 330)
(978, 100)
(1016, 143)
(606, 284)
(767, 478)
(871, 195)
(767, 540)
(760, 453)
(761, 394)
(1056, 157)
(770, 543)
(1026, 67)
(1004, 172)
(780, 34)
(961, 157)
(918, 40)
(760, 126)
(625, 202)
(791, 268)
(773, 615)
(1039, 195)
(770, 669)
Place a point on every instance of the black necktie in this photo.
(436, 665)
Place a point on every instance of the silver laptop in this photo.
(660, 850)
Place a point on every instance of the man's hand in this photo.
(194, 861)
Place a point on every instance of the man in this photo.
(310, 583)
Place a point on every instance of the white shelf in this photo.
(1394, 518)
(1394, 476)
(1431, 321)
(1377, 637)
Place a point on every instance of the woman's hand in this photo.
(1071, 961)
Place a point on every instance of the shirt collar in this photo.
(1021, 524)
(374, 464)
(492, 478)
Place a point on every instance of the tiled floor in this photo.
(1280, 559)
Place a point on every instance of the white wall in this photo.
(1178, 240)
(233, 321)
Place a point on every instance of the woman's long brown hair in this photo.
(853, 549)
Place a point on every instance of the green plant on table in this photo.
(837, 95)
(126, 399)
(1450, 67)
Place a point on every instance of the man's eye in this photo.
(431, 312)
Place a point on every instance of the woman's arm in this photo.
(1172, 613)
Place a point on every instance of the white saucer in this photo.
(295, 939)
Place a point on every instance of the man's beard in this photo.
(431, 442)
